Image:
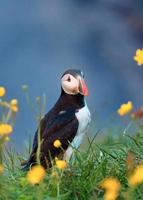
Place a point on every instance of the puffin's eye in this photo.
(69, 79)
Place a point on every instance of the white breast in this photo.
(83, 116)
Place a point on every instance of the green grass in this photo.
(104, 156)
(81, 180)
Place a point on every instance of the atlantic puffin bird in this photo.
(67, 121)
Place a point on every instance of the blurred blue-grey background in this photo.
(39, 40)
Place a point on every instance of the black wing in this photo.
(63, 127)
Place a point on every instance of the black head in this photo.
(73, 83)
(74, 72)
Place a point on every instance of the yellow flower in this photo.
(14, 108)
(14, 102)
(57, 143)
(110, 195)
(139, 56)
(5, 129)
(1, 168)
(36, 174)
(137, 176)
(111, 186)
(125, 108)
(61, 164)
(2, 91)
(14, 105)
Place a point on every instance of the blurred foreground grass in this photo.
(109, 167)
(113, 157)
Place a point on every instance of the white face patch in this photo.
(70, 84)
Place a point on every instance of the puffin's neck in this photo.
(66, 101)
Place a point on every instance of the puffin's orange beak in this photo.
(83, 88)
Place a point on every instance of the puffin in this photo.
(68, 121)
